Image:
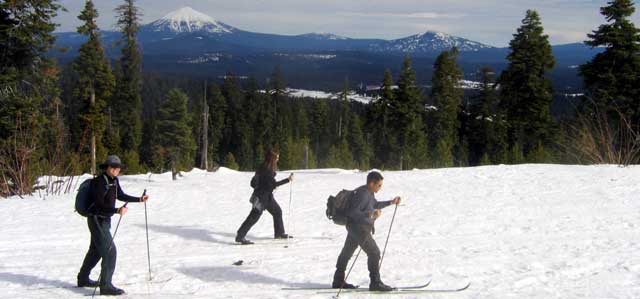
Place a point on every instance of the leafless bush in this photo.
(16, 165)
(599, 138)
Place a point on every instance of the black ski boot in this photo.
(343, 285)
(85, 281)
(379, 286)
(111, 291)
(243, 241)
(283, 236)
(339, 283)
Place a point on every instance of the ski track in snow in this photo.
(526, 231)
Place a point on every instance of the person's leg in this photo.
(92, 257)
(278, 224)
(252, 219)
(350, 246)
(369, 246)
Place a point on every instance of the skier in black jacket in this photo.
(264, 183)
(104, 191)
(363, 212)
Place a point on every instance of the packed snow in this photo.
(526, 231)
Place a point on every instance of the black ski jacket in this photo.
(104, 191)
(266, 183)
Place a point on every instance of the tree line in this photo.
(61, 120)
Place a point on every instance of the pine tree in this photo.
(386, 149)
(525, 91)
(320, 131)
(28, 82)
(612, 77)
(486, 128)
(175, 138)
(94, 83)
(407, 119)
(217, 114)
(127, 103)
(447, 97)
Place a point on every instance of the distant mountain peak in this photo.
(429, 41)
(187, 19)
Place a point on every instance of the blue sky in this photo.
(488, 21)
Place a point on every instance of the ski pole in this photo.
(346, 277)
(146, 228)
(109, 250)
(289, 211)
(388, 235)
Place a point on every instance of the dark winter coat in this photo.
(105, 198)
(265, 184)
(363, 204)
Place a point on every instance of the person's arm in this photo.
(126, 197)
(382, 204)
(282, 182)
(99, 191)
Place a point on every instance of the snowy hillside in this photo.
(527, 231)
(187, 19)
(429, 41)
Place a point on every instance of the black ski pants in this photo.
(273, 208)
(101, 247)
(359, 235)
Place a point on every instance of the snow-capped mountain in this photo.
(428, 42)
(188, 20)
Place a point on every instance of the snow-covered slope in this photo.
(527, 231)
(187, 20)
(428, 42)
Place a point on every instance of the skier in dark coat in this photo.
(363, 212)
(104, 191)
(264, 183)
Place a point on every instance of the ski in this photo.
(356, 289)
(401, 291)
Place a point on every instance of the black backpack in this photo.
(338, 206)
(84, 202)
(254, 181)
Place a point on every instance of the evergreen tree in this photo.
(217, 114)
(447, 97)
(94, 84)
(320, 131)
(127, 103)
(28, 82)
(361, 151)
(177, 145)
(345, 111)
(386, 149)
(486, 128)
(612, 77)
(525, 91)
(407, 119)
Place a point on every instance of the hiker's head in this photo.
(112, 165)
(271, 160)
(374, 181)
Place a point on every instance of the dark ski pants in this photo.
(101, 247)
(274, 209)
(358, 235)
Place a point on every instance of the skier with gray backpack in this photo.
(358, 211)
(96, 200)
